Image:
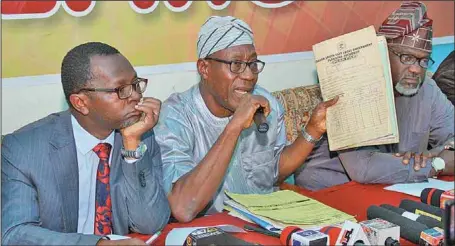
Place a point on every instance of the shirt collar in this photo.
(85, 141)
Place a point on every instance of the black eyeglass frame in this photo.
(117, 90)
(244, 64)
(414, 59)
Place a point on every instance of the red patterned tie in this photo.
(103, 204)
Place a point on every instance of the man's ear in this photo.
(80, 102)
(203, 68)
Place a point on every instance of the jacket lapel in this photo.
(119, 223)
(64, 162)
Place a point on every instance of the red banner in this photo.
(13, 10)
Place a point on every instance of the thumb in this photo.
(331, 102)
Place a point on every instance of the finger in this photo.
(424, 161)
(154, 109)
(406, 158)
(148, 109)
(399, 154)
(416, 166)
(151, 99)
(417, 160)
(262, 102)
(154, 105)
(427, 155)
(249, 123)
(330, 102)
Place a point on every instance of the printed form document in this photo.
(356, 67)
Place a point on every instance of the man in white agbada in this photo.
(209, 143)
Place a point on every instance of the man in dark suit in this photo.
(445, 77)
(62, 184)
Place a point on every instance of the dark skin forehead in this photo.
(111, 71)
(239, 52)
(410, 51)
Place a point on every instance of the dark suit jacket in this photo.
(445, 77)
(40, 188)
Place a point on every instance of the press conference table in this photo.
(352, 198)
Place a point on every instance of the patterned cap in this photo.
(409, 26)
(219, 33)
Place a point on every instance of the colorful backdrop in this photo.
(37, 34)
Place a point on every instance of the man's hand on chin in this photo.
(150, 108)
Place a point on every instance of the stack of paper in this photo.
(355, 66)
(280, 209)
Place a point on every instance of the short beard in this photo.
(408, 91)
(128, 123)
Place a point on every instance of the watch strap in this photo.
(438, 165)
(136, 154)
(309, 138)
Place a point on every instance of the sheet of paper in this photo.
(116, 237)
(264, 222)
(415, 189)
(177, 236)
(236, 214)
(351, 66)
(288, 207)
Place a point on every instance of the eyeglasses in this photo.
(123, 91)
(411, 60)
(240, 66)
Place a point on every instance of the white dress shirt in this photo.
(87, 161)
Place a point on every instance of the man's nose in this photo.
(248, 74)
(415, 68)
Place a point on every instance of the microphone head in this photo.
(263, 127)
(409, 229)
(286, 234)
(431, 196)
(260, 120)
(421, 208)
(333, 233)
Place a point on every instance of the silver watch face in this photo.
(138, 153)
(438, 163)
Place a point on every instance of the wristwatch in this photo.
(438, 164)
(136, 154)
(308, 137)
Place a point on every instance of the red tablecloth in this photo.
(352, 198)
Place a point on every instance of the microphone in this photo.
(293, 236)
(449, 223)
(352, 234)
(377, 231)
(432, 236)
(212, 236)
(381, 232)
(422, 209)
(431, 196)
(260, 120)
(332, 232)
(446, 197)
(436, 197)
(428, 221)
(409, 229)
